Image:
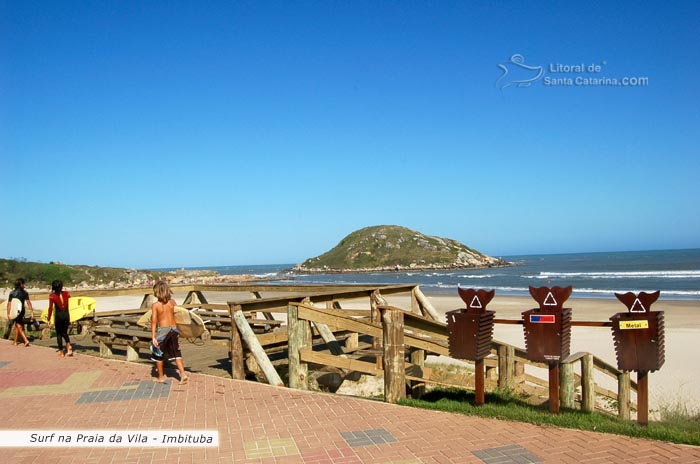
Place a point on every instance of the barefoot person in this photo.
(164, 331)
(19, 293)
(58, 302)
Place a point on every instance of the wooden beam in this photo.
(566, 381)
(417, 387)
(254, 346)
(236, 353)
(298, 341)
(368, 328)
(426, 304)
(325, 359)
(393, 352)
(587, 383)
(279, 304)
(329, 338)
(623, 395)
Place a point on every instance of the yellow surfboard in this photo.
(78, 308)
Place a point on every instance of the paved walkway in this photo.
(86, 399)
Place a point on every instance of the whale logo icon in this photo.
(517, 73)
(551, 298)
(638, 303)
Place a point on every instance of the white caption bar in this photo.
(107, 438)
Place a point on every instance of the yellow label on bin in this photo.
(634, 325)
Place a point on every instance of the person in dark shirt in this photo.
(58, 302)
(19, 293)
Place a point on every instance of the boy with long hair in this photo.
(164, 332)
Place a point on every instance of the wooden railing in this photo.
(240, 323)
(402, 334)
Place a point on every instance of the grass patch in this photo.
(683, 429)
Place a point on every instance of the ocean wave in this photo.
(266, 275)
(693, 294)
(693, 274)
(504, 289)
(475, 276)
(663, 292)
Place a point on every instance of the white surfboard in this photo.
(15, 308)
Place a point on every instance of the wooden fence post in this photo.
(297, 332)
(506, 366)
(376, 300)
(236, 349)
(566, 385)
(587, 383)
(417, 387)
(623, 395)
(394, 364)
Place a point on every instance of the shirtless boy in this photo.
(164, 331)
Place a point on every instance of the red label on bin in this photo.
(542, 318)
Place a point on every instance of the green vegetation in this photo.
(388, 247)
(42, 274)
(677, 425)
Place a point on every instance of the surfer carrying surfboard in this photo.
(164, 332)
(22, 300)
(58, 300)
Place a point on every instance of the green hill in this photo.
(42, 274)
(389, 248)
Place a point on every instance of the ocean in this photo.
(593, 275)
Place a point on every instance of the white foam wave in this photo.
(693, 274)
(668, 294)
(475, 276)
(663, 292)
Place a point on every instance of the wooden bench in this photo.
(133, 339)
(219, 323)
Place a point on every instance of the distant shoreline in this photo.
(398, 268)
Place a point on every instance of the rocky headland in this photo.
(390, 248)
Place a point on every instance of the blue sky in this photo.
(153, 134)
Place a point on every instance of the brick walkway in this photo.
(257, 423)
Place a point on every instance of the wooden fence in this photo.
(405, 338)
(382, 340)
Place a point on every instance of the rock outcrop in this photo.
(396, 248)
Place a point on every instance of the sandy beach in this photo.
(677, 382)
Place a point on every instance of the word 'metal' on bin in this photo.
(639, 343)
(470, 333)
(548, 333)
